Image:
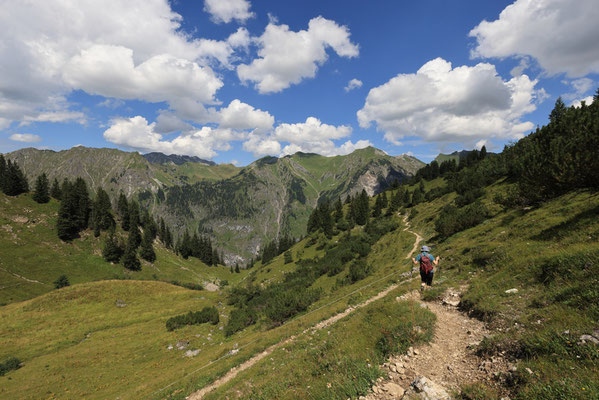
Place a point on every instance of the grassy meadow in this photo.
(32, 257)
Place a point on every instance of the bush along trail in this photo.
(322, 324)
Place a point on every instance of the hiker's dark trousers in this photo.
(427, 278)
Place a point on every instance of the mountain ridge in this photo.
(270, 197)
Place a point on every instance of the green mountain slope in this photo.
(32, 257)
(240, 207)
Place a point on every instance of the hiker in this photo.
(427, 263)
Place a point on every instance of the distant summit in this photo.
(160, 158)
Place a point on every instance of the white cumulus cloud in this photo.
(286, 57)
(135, 133)
(241, 116)
(110, 71)
(228, 10)
(353, 84)
(25, 137)
(462, 104)
(311, 136)
(587, 100)
(561, 35)
(131, 49)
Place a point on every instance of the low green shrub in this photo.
(10, 364)
(61, 282)
(208, 314)
(358, 270)
(239, 319)
(453, 219)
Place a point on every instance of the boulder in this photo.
(394, 390)
(425, 389)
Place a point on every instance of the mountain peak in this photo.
(161, 158)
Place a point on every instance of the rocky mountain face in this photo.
(270, 197)
(159, 158)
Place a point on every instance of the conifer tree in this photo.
(41, 195)
(215, 258)
(130, 260)
(101, 214)
(55, 190)
(338, 210)
(326, 220)
(162, 231)
(169, 238)
(15, 182)
(147, 250)
(123, 211)
(112, 251)
(83, 203)
(384, 200)
(396, 201)
(378, 205)
(407, 197)
(184, 245)
(483, 152)
(558, 111)
(313, 221)
(67, 226)
(362, 208)
(134, 233)
(148, 223)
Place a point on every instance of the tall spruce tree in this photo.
(134, 222)
(396, 200)
(40, 194)
(558, 111)
(169, 238)
(67, 226)
(147, 250)
(362, 208)
(112, 251)
(407, 197)
(378, 206)
(101, 214)
(338, 210)
(384, 200)
(326, 219)
(15, 182)
(184, 245)
(55, 190)
(83, 203)
(130, 260)
(123, 211)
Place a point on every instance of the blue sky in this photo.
(234, 80)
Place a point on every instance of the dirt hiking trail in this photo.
(435, 370)
(447, 359)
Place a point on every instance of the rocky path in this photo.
(435, 370)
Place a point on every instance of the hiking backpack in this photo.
(425, 263)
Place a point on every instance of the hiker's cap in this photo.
(425, 248)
